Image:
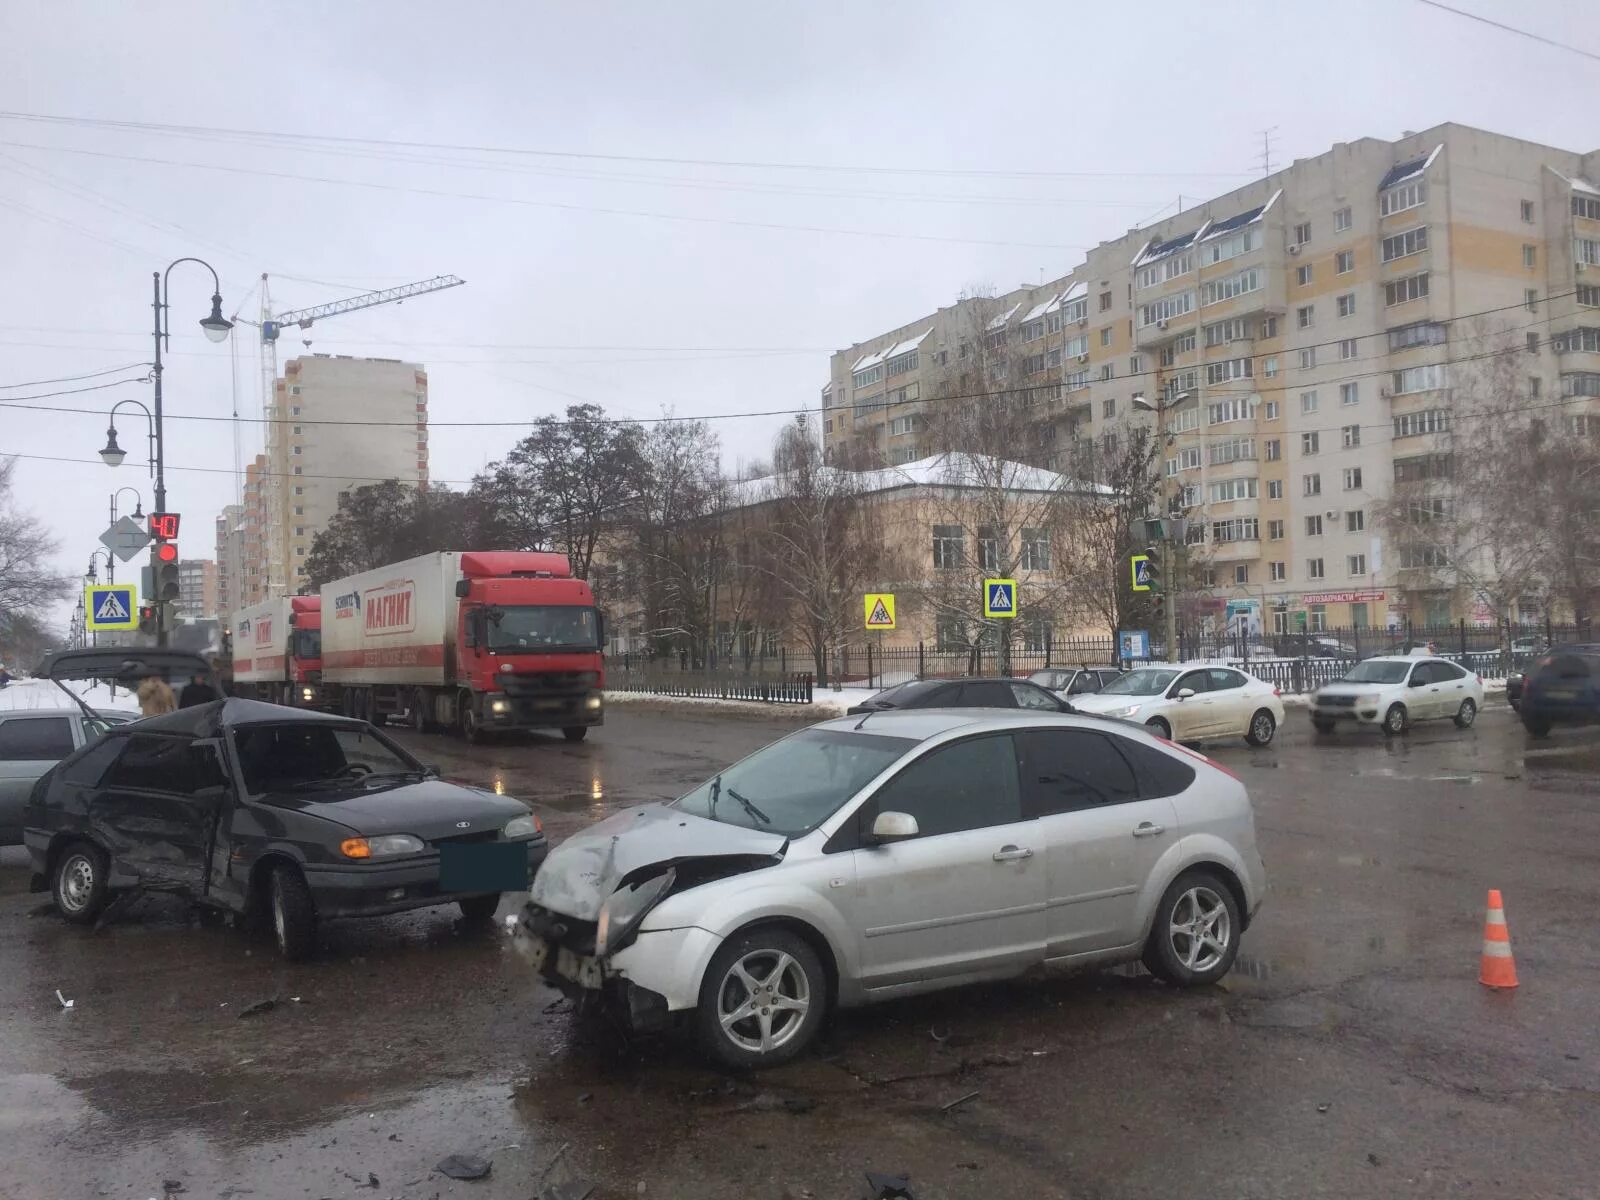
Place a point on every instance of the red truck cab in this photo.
(305, 652)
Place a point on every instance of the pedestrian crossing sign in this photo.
(110, 606)
(879, 608)
(999, 597)
(1141, 572)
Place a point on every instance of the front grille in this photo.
(1336, 701)
(550, 684)
(463, 839)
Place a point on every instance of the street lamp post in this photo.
(1161, 408)
(216, 327)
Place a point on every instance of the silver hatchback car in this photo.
(873, 857)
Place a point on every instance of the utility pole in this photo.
(1170, 555)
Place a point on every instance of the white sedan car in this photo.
(1191, 702)
(1394, 691)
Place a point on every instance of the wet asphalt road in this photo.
(1351, 1052)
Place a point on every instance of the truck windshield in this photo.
(308, 643)
(540, 627)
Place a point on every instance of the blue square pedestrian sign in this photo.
(999, 597)
(110, 606)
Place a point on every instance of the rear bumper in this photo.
(1536, 708)
(374, 891)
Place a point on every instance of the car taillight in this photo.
(1276, 692)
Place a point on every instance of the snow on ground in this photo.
(42, 693)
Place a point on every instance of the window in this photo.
(1586, 339)
(1269, 327)
(1313, 484)
(1527, 211)
(1278, 571)
(1232, 450)
(1421, 468)
(1274, 449)
(1403, 245)
(1341, 220)
(1222, 332)
(989, 549)
(1317, 616)
(968, 785)
(1164, 269)
(1586, 206)
(294, 410)
(1189, 459)
(1035, 550)
(1105, 301)
(35, 739)
(299, 510)
(1107, 372)
(1308, 358)
(1418, 379)
(1077, 345)
(1355, 520)
(1269, 366)
(1534, 386)
(1344, 262)
(1166, 308)
(164, 764)
(1408, 195)
(1352, 479)
(1530, 299)
(1275, 531)
(903, 425)
(1105, 336)
(1302, 233)
(1234, 285)
(1229, 369)
(1269, 410)
(1074, 380)
(1415, 558)
(1237, 409)
(1310, 443)
(1530, 256)
(1302, 275)
(1135, 364)
(299, 491)
(1347, 304)
(1308, 402)
(1351, 435)
(1349, 394)
(1239, 529)
(299, 531)
(1189, 495)
(1305, 316)
(1032, 331)
(1355, 564)
(1423, 333)
(902, 363)
(1580, 383)
(1274, 489)
(1403, 291)
(1225, 490)
(1313, 568)
(871, 375)
(1073, 769)
(1033, 364)
(1221, 250)
(1432, 420)
(949, 544)
(299, 470)
(1435, 508)
(1588, 295)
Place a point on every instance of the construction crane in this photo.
(303, 318)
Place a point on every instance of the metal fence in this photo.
(670, 676)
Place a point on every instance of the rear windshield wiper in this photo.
(749, 807)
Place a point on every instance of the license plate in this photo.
(1561, 694)
(483, 867)
(548, 705)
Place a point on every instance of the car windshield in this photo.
(1375, 671)
(298, 757)
(1147, 681)
(531, 628)
(792, 786)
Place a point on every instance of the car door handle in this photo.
(1012, 853)
(1148, 829)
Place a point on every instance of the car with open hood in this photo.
(1395, 691)
(873, 857)
(1191, 702)
(290, 816)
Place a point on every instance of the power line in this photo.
(1537, 37)
(660, 160)
(78, 378)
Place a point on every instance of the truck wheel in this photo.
(471, 728)
(419, 712)
(575, 733)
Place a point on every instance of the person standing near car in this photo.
(155, 697)
(197, 691)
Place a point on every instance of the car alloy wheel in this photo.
(1394, 721)
(77, 886)
(1262, 727)
(1201, 929)
(1467, 713)
(763, 1001)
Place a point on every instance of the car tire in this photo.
(1196, 901)
(1466, 714)
(291, 912)
(1537, 726)
(78, 883)
(1322, 726)
(479, 909)
(1262, 726)
(1159, 727)
(575, 733)
(1395, 721)
(752, 959)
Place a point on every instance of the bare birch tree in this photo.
(27, 579)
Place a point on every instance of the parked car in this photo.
(33, 740)
(1300, 645)
(260, 810)
(963, 693)
(1073, 681)
(1190, 702)
(1562, 688)
(1396, 691)
(847, 864)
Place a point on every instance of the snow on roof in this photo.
(868, 360)
(1003, 319)
(939, 470)
(1154, 249)
(1076, 292)
(1577, 184)
(907, 346)
(1401, 172)
(1039, 309)
(1248, 217)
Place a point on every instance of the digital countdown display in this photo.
(164, 526)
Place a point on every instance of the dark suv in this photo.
(1562, 688)
(963, 693)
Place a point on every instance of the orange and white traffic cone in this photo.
(1498, 968)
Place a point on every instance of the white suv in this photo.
(1393, 691)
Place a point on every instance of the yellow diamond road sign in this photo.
(111, 606)
(879, 608)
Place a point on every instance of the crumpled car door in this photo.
(157, 810)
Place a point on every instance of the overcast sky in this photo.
(980, 147)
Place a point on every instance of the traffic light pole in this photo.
(161, 475)
(1168, 608)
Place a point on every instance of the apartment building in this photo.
(336, 423)
(230, 560)
(197, 587)
(1304, 338)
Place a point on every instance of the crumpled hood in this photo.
(585, 869)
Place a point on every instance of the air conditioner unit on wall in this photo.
(1083, 358)
(1161, 324)
(1333, 514)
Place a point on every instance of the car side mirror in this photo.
(894, 827)
(1185, 693)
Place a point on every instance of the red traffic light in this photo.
(167, 552)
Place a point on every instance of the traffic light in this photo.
(1152, 571)
(166, 572)
(147, 619)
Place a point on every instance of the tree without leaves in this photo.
(27, 581)
(1097, 556)
(391, 521)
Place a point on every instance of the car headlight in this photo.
(388, 845)
(521, 827)
(594, 702)
(625, 909)
(1128, 711)
(499, 706)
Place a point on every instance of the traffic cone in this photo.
(1498, 968)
